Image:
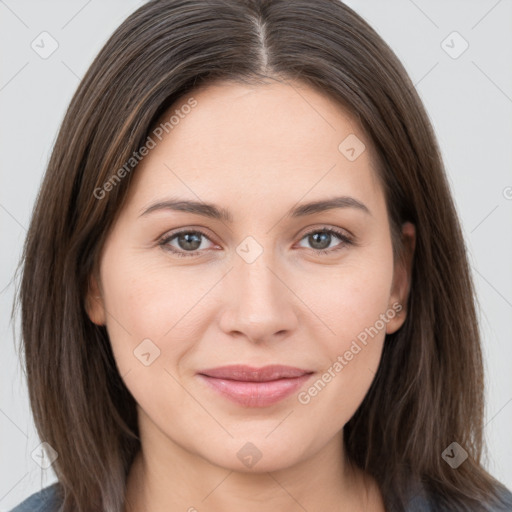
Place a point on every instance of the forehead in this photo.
(282, 138)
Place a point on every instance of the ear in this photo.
(402, 279)
(94, 302)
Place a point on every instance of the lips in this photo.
(251, 374)
(255, 387)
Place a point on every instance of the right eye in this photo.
(188, 239)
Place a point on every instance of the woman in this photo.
(245, 284)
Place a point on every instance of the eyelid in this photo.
(326, 227)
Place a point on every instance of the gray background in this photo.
(468, 98)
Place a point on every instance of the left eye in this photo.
(318, 237)
(189, 242)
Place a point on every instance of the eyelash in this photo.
(180, 253)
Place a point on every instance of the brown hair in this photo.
(428, 391)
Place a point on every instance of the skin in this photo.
(257, 151)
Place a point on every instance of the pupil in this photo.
(325, 237)
(189, 242)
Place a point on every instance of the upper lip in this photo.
(251, 374)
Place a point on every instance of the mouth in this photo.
(255, 387)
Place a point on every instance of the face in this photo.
(270, 283)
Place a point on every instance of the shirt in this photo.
(46, 500)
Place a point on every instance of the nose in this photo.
(258, 303)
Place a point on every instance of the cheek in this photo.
(153, 308)
(354, 304)
(147, 307)
(351, 299)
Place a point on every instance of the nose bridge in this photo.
(256, 280)
(261, 306)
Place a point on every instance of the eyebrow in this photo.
(218, 213)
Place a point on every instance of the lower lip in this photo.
(256, 394)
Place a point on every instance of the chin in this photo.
(257, 455)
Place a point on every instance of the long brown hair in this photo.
(428, 391)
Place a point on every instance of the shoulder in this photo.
(418, 499)
(45, 500)
(421, 501)
(506, 500)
